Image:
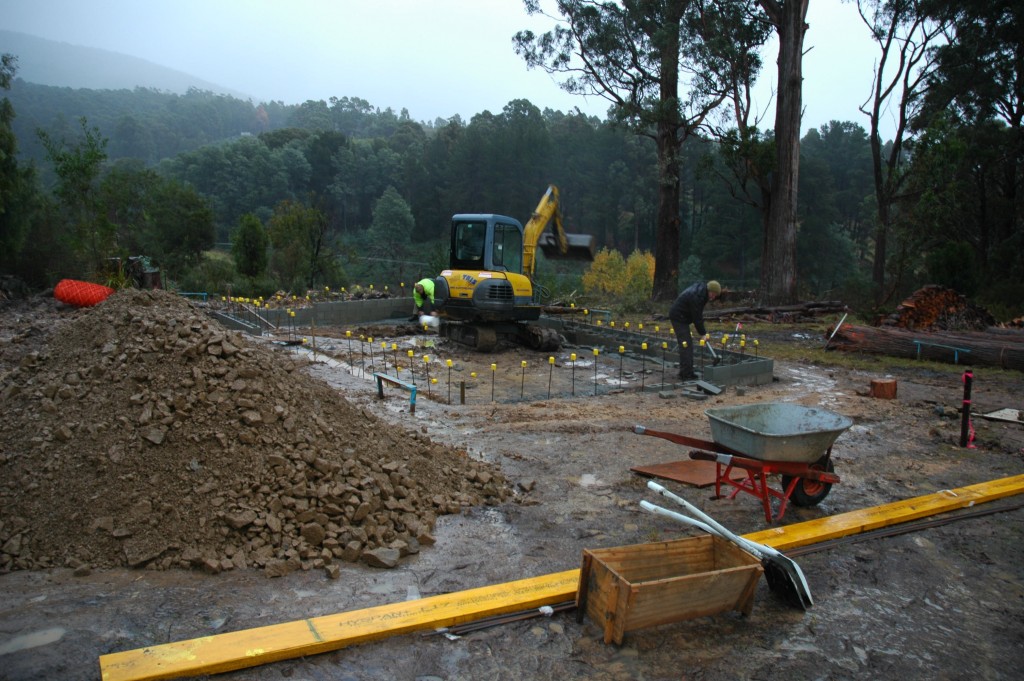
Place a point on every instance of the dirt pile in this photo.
(140, 433)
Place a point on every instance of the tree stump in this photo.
(883, 388)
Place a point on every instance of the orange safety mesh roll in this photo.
(81, 293)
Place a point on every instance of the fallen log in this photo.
(780, 313)
(972, 348)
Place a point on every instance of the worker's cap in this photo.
(714, 287)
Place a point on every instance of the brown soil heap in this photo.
(145, 435)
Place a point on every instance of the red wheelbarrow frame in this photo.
(757, 471)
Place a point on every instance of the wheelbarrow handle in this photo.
(683, 440)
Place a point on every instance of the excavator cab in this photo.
(487, 291)
(486, 242)
(485, 281)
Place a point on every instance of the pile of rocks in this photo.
(141, 433)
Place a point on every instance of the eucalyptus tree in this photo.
(649, 59)
(906, 38)
(778, 276)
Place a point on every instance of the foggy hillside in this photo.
(48, 62)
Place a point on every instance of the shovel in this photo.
(715, 357)
(784, 576)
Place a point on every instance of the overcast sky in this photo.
(435, 58)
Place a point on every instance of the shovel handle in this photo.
(753, 547)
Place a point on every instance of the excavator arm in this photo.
(556, 244)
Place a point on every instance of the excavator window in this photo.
(508, 248)
(470, 238)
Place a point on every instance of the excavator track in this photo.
(484, 337)
(480, 337)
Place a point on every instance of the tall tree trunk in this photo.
(778, 270)
(882, 198)
(666, 252)
(671, 133)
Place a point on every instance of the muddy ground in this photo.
(942, 603)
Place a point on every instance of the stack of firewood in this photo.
(936, 308)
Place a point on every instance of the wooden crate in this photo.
(632, 587)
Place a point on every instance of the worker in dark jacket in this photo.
(688, 309)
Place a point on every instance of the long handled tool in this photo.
(784, 575)
(716, 359)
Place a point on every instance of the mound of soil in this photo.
(140, 433)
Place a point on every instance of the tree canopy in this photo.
(345, 191)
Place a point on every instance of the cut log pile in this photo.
(1002, 348)
(938, 324)
(800, 312)
(936, 308)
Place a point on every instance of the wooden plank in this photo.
(252, 647)
(866, 519)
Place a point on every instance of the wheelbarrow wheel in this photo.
(810, 492)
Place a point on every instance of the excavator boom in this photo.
(556, 244)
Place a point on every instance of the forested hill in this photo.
(145, 124)
(48, 62)
(150, 113)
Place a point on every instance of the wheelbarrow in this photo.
(772, 438)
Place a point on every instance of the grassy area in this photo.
(806, 343)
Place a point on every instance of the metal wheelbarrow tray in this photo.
(772, 438)
(777, 431)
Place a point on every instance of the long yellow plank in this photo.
(866, 519)
(252, 647)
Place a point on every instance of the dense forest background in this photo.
(224, 194)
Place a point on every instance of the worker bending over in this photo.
(422, 298)
(688, 309)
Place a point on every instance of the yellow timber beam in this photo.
(252, 647)
(866, 519)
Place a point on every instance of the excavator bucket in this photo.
(580, 247)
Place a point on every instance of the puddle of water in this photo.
(33, 640)
(816, 382)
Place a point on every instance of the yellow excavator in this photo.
(487, 293)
